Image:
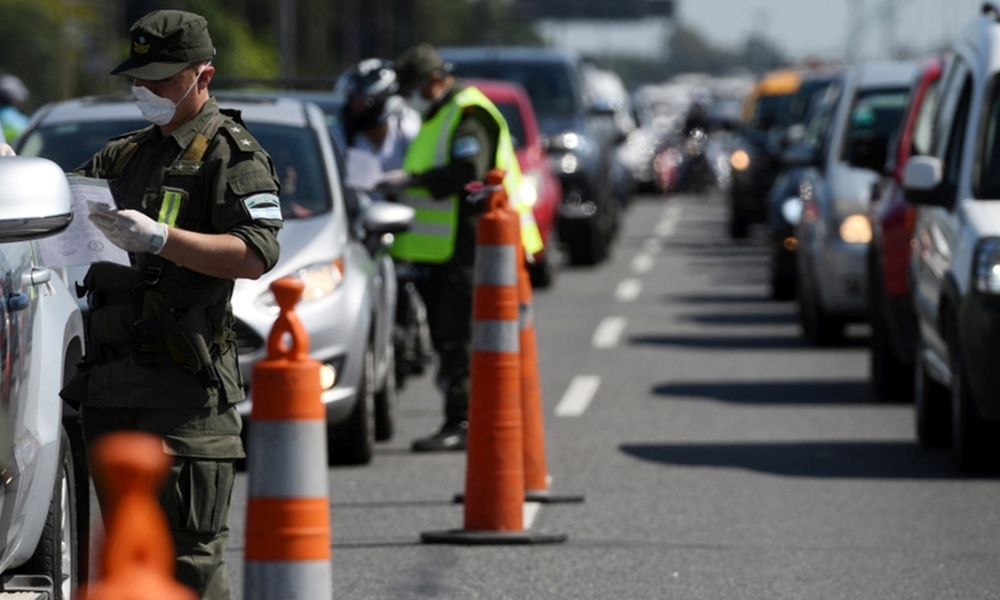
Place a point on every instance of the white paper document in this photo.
(82, 242)
(364, 169)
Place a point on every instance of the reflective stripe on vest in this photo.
(431, 237)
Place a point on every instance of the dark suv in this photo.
(579, 137)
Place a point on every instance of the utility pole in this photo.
(287, 37)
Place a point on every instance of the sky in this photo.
(819, 27)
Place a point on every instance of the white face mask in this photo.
(418, 102)
(157, 109)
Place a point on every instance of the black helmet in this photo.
(367, 89)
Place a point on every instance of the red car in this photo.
(890, 309)
(539, 185)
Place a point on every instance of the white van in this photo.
(955, 263)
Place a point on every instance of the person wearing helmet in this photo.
(13, 94)
(375, 119)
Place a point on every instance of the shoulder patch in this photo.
(240, 137)
(465, 146)
(263, 206)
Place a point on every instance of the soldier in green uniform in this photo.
(463, 136)
(197, 208)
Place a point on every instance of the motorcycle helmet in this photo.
(12, 90)
(368, 88)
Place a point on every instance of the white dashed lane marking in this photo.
(578, 396)
(628, 290)
(642, 263)
(529, 510)
(608, 332)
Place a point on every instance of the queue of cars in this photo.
(893, 214)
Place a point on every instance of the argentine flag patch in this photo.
(263, 206)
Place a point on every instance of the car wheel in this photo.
(738, 226)
(590, 244)
(820, 328)
(57, 554)
(353, 442)
(891, 377)
(968, 432)
(930, 404)
(385, 402)
(541, 272)
(782, 285)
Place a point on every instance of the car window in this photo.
(294, 151)
(956, 135)
(923, 126)
(771, 110)
(987, 176)
(872, 120)
(548, 83)
(512, 114)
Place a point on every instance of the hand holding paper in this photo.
(129, 229)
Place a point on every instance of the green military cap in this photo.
(164, 42)
(417, 63)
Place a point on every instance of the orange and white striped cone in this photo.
(494, 474)
(536, 474)
(137, 558)
(288, 520)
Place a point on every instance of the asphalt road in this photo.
(720, 456)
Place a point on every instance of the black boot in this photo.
(451, 436)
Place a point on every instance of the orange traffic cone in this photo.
(137, 560)
(288, 521)
(536, 475)
(494, 475)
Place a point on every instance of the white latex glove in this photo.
(6, 150)
(131, 230)
(394, 181)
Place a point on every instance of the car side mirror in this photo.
(923, 182)
(35, 199)
(381, 218)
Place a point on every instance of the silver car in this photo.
(348, 304)
(837, 180)
(44, 511)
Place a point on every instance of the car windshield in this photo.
(512, 115)
(872, 121)
(547, 83)
(294, 151)
(988, 166)
(771, 110)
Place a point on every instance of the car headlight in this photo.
(986, 268)
(740, 160)
(791, 210)
(320, 279)
(569, 163)
(856, 229)
(529, 189)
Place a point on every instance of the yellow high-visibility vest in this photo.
(431, 236)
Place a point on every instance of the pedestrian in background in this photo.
(198, 207)
(462, 137)
(13, 95)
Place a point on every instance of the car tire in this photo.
(541, 272)
(892, 379)
(931, 410)
(385, 402)
(58, 553)
(969, 435)
(590, 244)
(353, 442)
(818, 327)
(738, 226)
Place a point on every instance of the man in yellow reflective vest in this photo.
(463, 136)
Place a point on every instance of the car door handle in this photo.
(37, 276)
(17, 302)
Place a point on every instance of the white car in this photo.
(44, 490)
(349, 300)
(836, 187)
(955, 262)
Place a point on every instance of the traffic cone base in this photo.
(274, 579)
(540, 496)
(467, 537)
